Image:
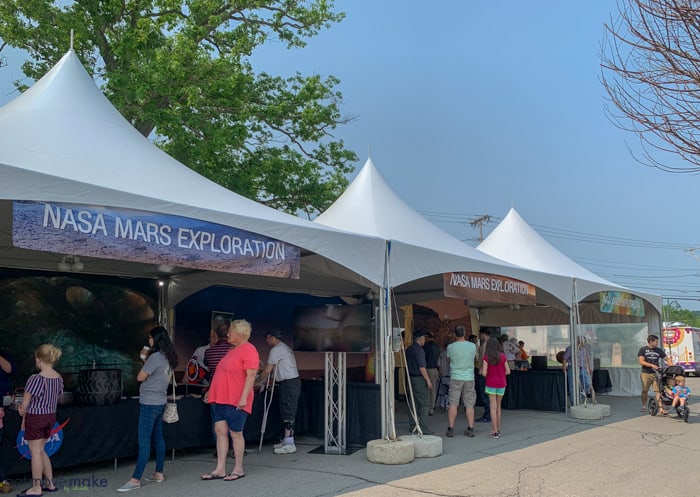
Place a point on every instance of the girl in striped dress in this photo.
(38, 411)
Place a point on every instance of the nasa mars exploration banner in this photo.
(139, 236)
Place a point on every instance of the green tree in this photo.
(674, 314)
(180, 71)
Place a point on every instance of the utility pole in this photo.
(479, 222)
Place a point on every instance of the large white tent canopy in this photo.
(516, 242)
(420, 251)
(62, 141)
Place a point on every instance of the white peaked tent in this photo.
(419, 250)
(516, 242)
(418, 253)
(62, 141)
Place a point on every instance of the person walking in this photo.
(649, 358)
(155, 376)
(38, 411)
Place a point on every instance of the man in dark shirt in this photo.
(432, 365)
(480, 381)
(649, 357)
(420, 382)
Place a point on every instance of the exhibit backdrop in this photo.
(265, 310)
(97, 321)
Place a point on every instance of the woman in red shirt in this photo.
(231, 398)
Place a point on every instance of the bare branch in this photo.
(651, 73)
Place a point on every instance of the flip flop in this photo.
(234, 476)
(45, 489)
(211, 476)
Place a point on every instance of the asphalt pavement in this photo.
(543, 454)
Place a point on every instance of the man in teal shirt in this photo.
(461, 354)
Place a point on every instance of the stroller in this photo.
(666, 380)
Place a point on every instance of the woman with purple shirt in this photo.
(38, 411)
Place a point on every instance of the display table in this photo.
(101, 433)
(543, 390)
(539, 390)
(602, 383)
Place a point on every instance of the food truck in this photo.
(682, 344)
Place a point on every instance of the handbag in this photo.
(170, 414)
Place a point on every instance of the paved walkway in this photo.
(541, 454)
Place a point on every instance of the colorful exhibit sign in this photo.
(621, 303)
(489, 288)
(148, 237)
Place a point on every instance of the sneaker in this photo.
(450, 432)
(469, 432)
(483, 420)
(286, 449)
(129, 486)
(278, 446)
(495, 434)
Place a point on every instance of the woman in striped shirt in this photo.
(38, 411)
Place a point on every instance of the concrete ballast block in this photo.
(425, 446)
(390, 452)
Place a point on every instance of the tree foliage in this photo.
(675, 314)
(180, 71)
(651, 72)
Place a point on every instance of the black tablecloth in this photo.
(540, 390)
(601, 381)
(362, 417)
(101, 433)
(543, 390)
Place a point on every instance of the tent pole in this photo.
(573, 338)
(387, 365)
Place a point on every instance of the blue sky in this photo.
(476, 107)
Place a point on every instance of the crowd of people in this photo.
(232, 364)
(478, 366)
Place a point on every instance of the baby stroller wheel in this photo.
(686, 413)
(652, 407)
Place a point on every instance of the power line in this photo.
(670, 282)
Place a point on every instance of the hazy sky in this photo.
(471, 108)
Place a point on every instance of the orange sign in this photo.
(488, 288)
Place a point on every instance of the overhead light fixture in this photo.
(70, 263)
(370, 295)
